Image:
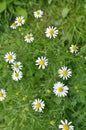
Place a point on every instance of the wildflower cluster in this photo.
(19, 21)
(59, 88)
(10, 57)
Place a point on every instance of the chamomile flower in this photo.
(38, 14)
(29, 38)
(17, 75)
(73, 49)
(13, 26)
(10, 57)
(16, 66)
(65, 125)
(20, 20)
(38, 105)
(64, 73)
(42, 62)
(60, 89)
(51, 32)
(2, 94)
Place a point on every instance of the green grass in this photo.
(16, 111)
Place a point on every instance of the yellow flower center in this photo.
(74, 48)
(16, 74)
(14, 24)
(28, 37)
(38, 105)
(16, 66)
(65, 73)
(51, 31)
(42, 62)
(66, 127)
(1, 94)
(19, 20)
(60, 89)
(37, 12)
(10, 57)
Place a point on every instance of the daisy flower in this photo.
(16, 66)
(38, 105)
(42, 62)
(20, 20)
(64, 73)
(2, 94)
(13, 26)
(73, 49)
(60, 89)
(38, 14)
(51, 32)
(10, 57)
(29, 38)
(65, 125)
(17, 75)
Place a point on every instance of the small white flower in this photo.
(51, 32)
(20, 20)
(65, 125)
(13, 26)
(2, 94)
(17, 75)
(16, 66)
(73, 49)
(38, 14)
(64, 73)
(10, 57)
(29, 38)
(60, 89)
(38, 105)
(42, 62)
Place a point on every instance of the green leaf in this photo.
(65, 12)
(2, 5)
(21, 12)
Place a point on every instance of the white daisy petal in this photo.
(38, 14)
(29, 38)
(51, 32)
(10, 57)
(64, 73)
(17, 75)
(65, 125)
(20, 21)
(16, 66)
(60, 126)
(60, 89)
(13, 26)
(69, 123)
(73, 49)
(38, 105)
(42, 62)
(2, 94)
(62, 122)
(66, 121)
